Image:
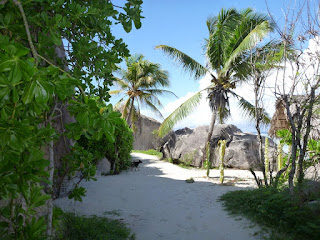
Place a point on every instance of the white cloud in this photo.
(202, 115)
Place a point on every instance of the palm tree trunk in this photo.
(213, 121)
(130, 112)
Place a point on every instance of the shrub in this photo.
(116, 150)
(275, 209)
(75, 227)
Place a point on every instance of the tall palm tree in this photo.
(140, 82)
(231, 35)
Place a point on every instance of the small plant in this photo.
(222, 151)
(190, 180)
(207, 165)
(266, 157)
(188, 158)
(280, 155)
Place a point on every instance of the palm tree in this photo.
(139, 83)
(231, 35)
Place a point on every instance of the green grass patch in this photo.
(73, 227)
(149, 152)
(275, 210)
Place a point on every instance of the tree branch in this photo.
(26, 25)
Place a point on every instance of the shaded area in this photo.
(157, 203)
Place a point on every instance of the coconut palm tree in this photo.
(140, 82)
(231, 35)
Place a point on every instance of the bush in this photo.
(74, 227)
(274, 209)
(116, 150)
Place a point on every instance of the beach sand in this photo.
(157, 203)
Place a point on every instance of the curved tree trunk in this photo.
(213, 121)
(129, 118)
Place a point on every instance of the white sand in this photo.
(157, 203)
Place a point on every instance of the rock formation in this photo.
(144, 138)
(186, 145)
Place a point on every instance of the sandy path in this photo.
(157, 203)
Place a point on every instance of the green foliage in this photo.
(149, 152)
(207, 162)
(222, 150)
(266, 157)
(189, 180)
(275, 210)
(141, 82)
(116, 147)
(232, 34)
(280, 156)
(36, 78)
(285, 135)
(188, 158)
(313, 156)
(75, 227)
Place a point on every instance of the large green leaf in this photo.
(4, 92)
(83, 117)
(40, 93)
(29, 92)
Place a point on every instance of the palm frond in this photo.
(243, 40)
(220, 29)
(180, 113)
(250, 111)
(115, 92)
(214, 24)
(119, 105)
(122, 83)
(161, 92)
(125, 108)
(146, 97)
(187, 63)
(150, 105)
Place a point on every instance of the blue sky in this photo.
(182, 24)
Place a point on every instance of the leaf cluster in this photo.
(51, 55)
(276, 210)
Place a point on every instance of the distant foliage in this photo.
(116, 149)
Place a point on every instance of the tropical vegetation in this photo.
(141, 82)
(232, 34)
(58, 60)
(56, 57)
(275, 212)
(75, 227)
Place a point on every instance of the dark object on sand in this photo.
(135, 164)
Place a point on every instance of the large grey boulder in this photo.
(103, 166)
(243, 151)
(144, 137)
(313, 173)
(186, 145)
